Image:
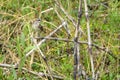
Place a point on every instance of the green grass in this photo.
(15, 31)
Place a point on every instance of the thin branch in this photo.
(77, 71)
(59, 16)
(43, 57)
(89, 39)
(80, 42)
(40, 74)
(47, 10)
(62, 39)
(68, 16)
(65, 26)
(105, 50)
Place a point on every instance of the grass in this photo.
(15, 31)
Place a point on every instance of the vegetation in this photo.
(16, 40)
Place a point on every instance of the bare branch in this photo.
(80, 42)
(62, 39)
(65, 26)
(77, 71)
(68, 16)
(89, 39)
(40, 74)
(43, 57)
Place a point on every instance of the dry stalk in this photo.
(32, 56)
(89, 39)
(39, 74)
(77, 71)
(81, 42)
(43, 57)
(68, 16)
(31, 61)
(65, 26)
(62, 39)
(47, 10)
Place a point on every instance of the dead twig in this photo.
(43, 57)
(105, 50)
(65, 26)
(77, 70)
(62, 39)
(39, 74)
(47, 10)
(80, 42)
(68, 16)
(89, 39)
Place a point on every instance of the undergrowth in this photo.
(16, 18)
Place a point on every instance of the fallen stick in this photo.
(39, 74)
